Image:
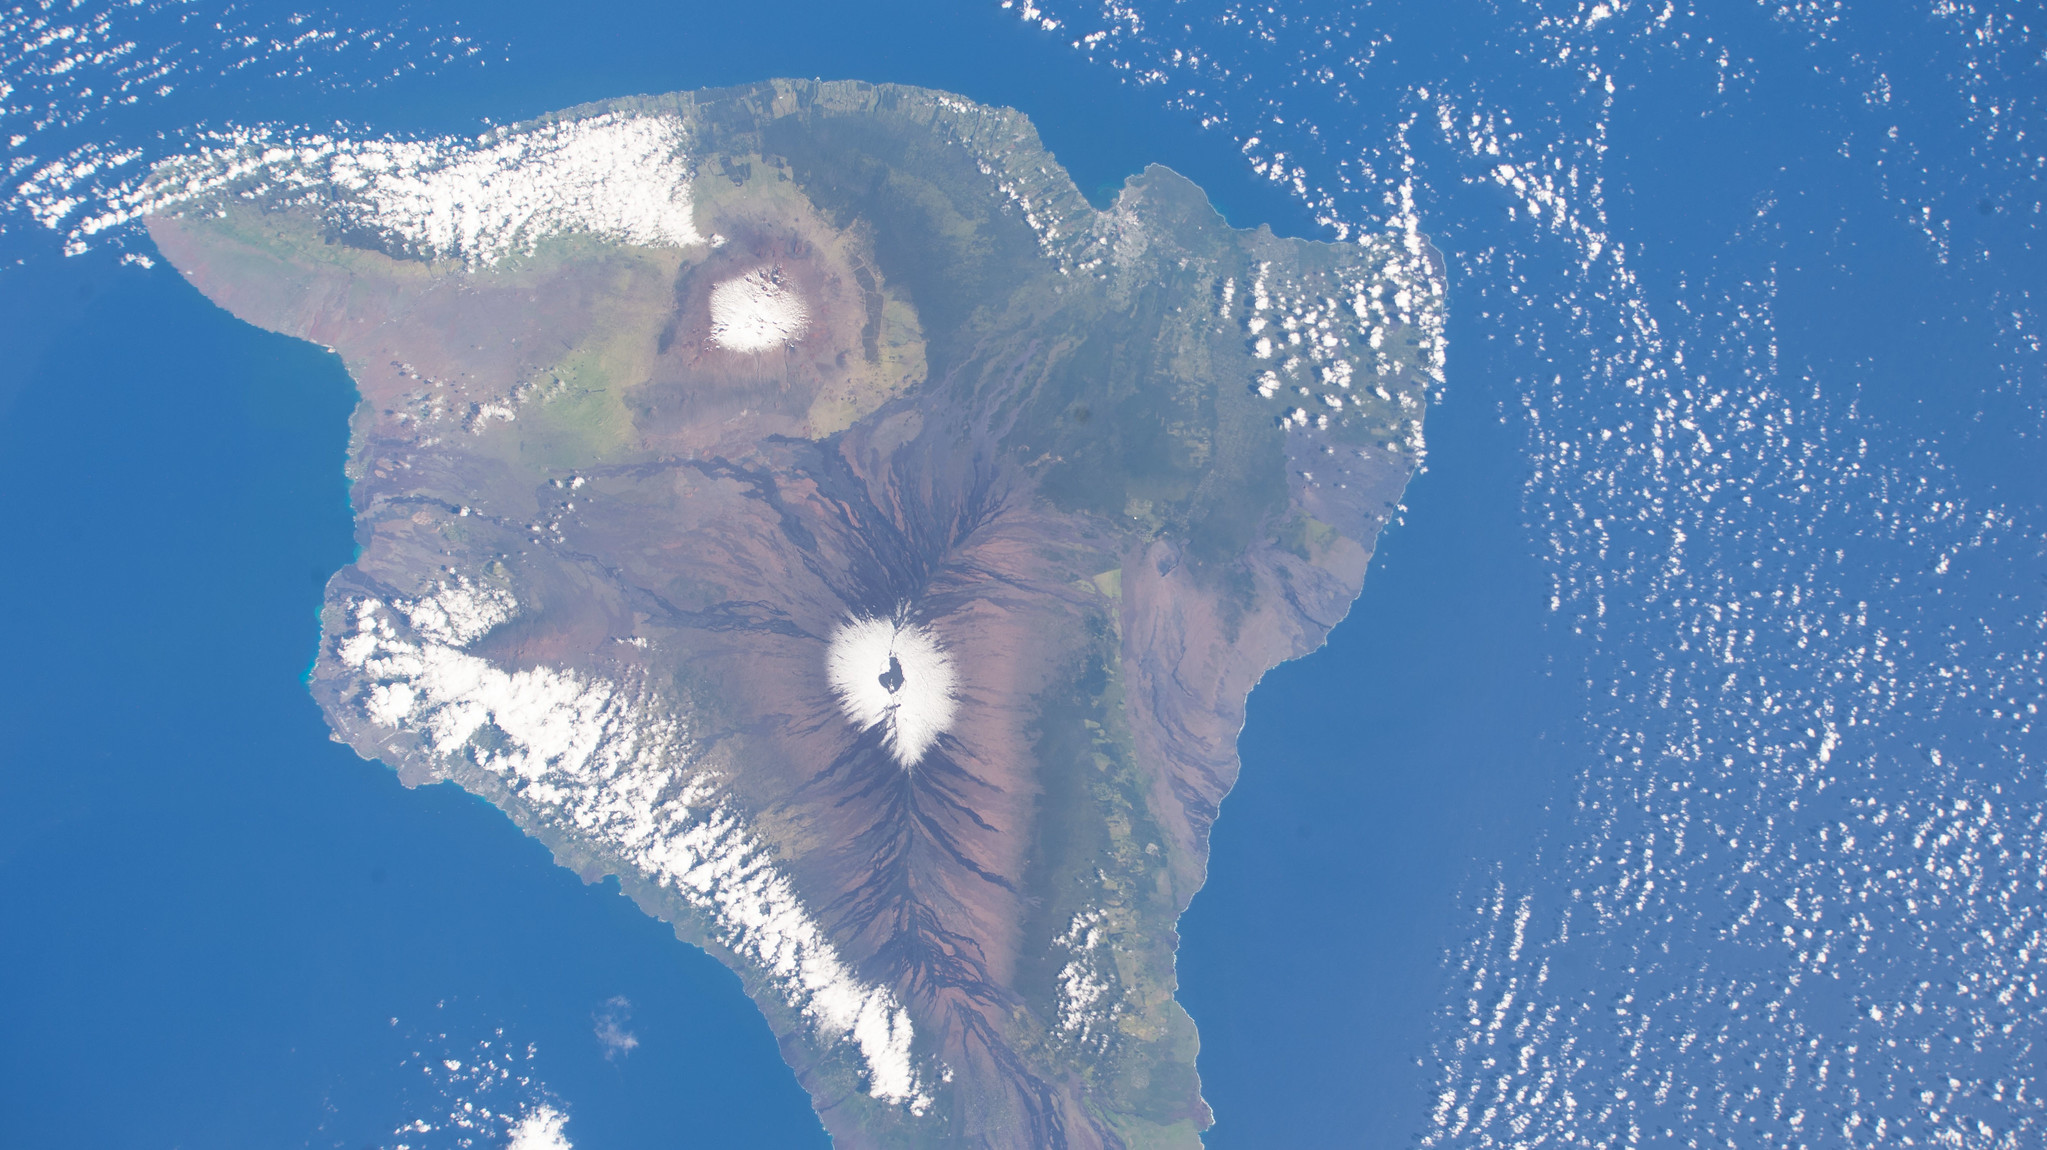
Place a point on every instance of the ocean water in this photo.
(1675, 782)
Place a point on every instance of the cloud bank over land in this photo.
(592, 755)
(618, 177)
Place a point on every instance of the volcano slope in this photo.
(800, 503)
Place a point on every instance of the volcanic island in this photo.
(801, 503)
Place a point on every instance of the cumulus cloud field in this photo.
(600, 758)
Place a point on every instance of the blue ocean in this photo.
(1675, 782)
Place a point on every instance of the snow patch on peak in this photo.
(756, 312)
(894, 674)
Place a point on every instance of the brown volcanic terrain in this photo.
(1116, 463)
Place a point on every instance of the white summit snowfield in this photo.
(756, 312)
(893, 674)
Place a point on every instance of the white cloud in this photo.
(611, 1029)
(1086, 1010)
(476, 1099)
(621, 177)
(599, 759)
(540, 1129)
